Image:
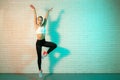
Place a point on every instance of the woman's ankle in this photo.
(40, 70)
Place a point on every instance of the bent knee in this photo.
(55, 45)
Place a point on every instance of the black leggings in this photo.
(39, 44)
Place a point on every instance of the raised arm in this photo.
(35, 15)
(46, 16)
(47, 13)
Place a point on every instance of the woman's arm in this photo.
(47, 13)
(35, 15)
(46, 16)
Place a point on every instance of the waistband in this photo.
(41, 40)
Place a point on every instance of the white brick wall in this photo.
(86, 32)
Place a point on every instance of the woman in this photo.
(40, 32)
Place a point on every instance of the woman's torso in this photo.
(40, 32)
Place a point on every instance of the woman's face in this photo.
(39, 20)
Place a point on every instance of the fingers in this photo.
(50, 9)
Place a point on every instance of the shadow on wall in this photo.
(55, 37)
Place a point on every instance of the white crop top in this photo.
(41, 30)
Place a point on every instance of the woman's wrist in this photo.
(48, 11)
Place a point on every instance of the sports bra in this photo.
(41, 30)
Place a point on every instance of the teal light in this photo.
(87, 29)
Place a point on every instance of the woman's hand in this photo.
(35, 15)
(32, 6)
(50, 9)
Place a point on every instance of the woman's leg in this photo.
(38, 48)
(51, 45)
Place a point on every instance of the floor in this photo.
(60, 76)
